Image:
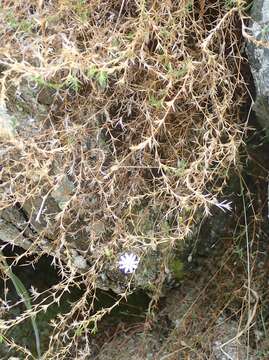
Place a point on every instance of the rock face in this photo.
(34, 222)
(258, 54)
(226, 345)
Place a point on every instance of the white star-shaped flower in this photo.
(128, 263)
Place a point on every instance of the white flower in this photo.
(128, 263)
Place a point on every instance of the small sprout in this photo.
(181, 72)
(73, 83)
(82, 11)
(128, 263)
(189, 6)
(108, 252)
(40, 81)
(130, 36)
(79, 331)
(92, 71)
(102, 79)
(156, 103)
(230, 4)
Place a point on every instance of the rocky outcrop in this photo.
(258, 55)
(34, 223)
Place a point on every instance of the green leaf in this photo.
(24, 295)
(92, 71)
(156, 103)
(102, 79)
(73, 82)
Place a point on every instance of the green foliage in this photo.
(156, 103)
(262, 354)
(73, 83)
(230, 3)
(101, 76)
(189, 6)
(178, 170)
(39, 80)
(92, 71)
(24, 295)
(81, 9)
(240, 4)
(176, 266)
(79, 331)
(108, 253)
(130, 36)
(176, 73)
(24, 25)
(265, 32)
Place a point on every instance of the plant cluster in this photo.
(141, 113)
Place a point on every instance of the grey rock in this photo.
(29, 105)
(258, 55)
(36, 222)
(14, 228)
(6, 124)
(226, 345)
(63, 192)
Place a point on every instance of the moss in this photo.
(177, 268)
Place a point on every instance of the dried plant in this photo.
(141, 112)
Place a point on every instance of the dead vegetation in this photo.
(141, 112)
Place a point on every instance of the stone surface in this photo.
(169, 336)
(28, 105)
(14, 229)
(258, 55)
(6, 124)
(37, 217)
(227, 345)
(83, 243)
